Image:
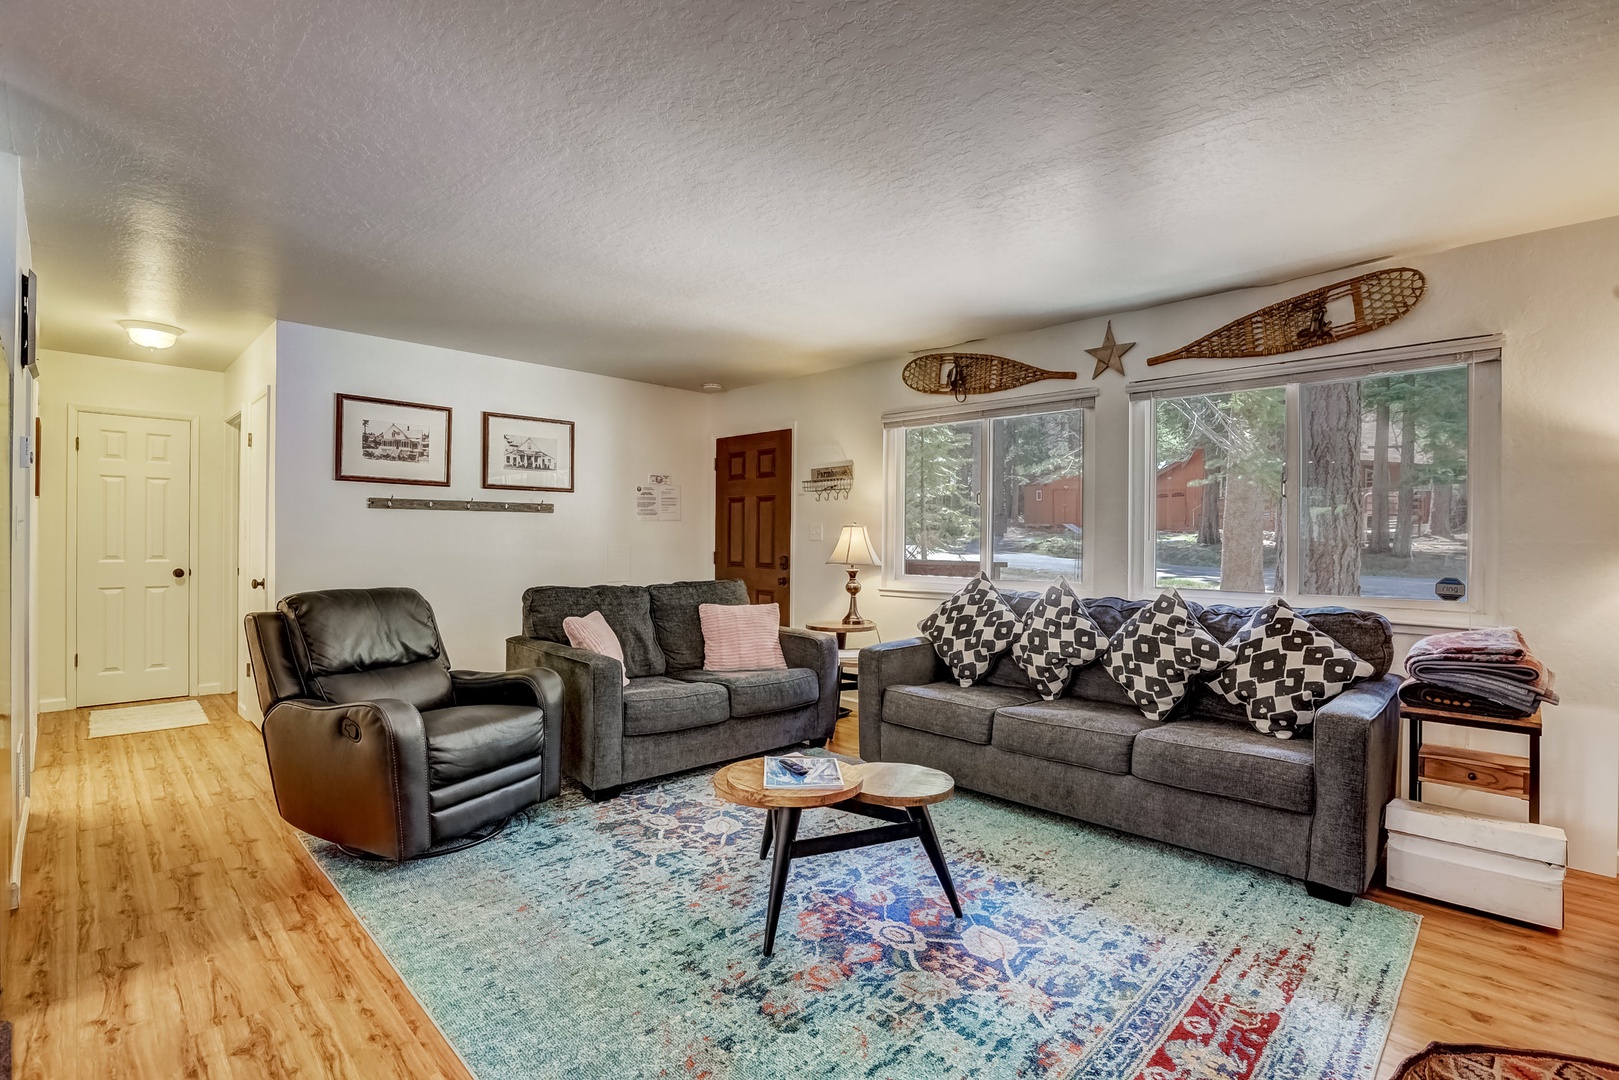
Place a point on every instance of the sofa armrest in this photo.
(592, 740)
(818, 652)
(537, 687)
(353, 774)
(1357, 739)
(910, 662)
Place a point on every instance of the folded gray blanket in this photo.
(1492, 685)
(1495, 664)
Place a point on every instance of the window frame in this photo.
(1482, 358)
(895, 582)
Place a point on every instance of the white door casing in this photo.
(133, 565)
(253, 540)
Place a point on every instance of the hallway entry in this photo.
(132, 558)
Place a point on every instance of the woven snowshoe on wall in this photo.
(1318, 317)
(963, 374)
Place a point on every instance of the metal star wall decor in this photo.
(1111, 354)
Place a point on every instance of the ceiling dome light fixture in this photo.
(151, 335)
(712, 388)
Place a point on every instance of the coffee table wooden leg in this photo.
(930, 842)
(770, 831)
(785, 826)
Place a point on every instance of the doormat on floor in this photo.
(623, 940)
(162, 715)
(1443, 1061)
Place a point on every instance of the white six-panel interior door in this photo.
(133, 558)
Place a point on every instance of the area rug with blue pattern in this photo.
(623, 940)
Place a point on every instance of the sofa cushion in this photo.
(960, 712)
(1093, 681)
(1284, 669)
(970, 629)
(1228, 760)
(627, 609)
(593, 634)
(1158, 652)
(759, 693)
(675, 618)
(337, 631)
(1005, 670)
(466, 741)
(424, 684)
(741, 637)
(1087, 733)
(659, 704)
(1365, 633)
(1056, 638)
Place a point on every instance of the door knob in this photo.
(179, 573)
(256, 583)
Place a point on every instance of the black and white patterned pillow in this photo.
(971, 629)
(1159, 650)
(1056, 638)
(1285, 669)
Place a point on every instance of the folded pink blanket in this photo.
(1495, 644)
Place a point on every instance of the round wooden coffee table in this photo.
(894, 792)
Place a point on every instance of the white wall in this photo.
(473, 568)
(251, 375)
(99, 382)
(1555, 296)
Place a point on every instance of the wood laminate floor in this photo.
(172, 926)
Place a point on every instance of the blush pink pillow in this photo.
(739, 637)
(593, 633)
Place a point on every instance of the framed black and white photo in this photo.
(380, 441)
(527, 453)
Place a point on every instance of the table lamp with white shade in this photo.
(854, 550)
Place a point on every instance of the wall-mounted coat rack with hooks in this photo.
(475, 505)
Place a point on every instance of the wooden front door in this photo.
(753, 514)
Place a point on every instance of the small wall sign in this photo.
(1450, 588)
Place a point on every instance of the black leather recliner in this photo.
(375, 744)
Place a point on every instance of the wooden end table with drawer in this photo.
(1464, 767)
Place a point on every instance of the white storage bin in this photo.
(1509, 868)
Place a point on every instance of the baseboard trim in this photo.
(53, 704)
(242, 711)
(204, 689)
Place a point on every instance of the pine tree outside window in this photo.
(1328, 481)
(1000, 490)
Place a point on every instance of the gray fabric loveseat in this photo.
(1309, 807)
(673, 715)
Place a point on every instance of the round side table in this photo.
(842, 630)
(889, 791)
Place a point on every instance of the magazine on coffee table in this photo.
(784, 772)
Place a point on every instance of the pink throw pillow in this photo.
(738, 637)
(593, 633)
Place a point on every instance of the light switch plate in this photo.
(815, 531)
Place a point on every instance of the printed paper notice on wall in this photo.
(658, 499)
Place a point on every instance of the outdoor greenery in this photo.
(942, 468)
(1408, 431)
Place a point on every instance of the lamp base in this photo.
(852, 587)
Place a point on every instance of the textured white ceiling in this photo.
(738, 190)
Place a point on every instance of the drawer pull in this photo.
(1472, 776)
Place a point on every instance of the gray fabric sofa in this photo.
(1309, 807)
(673, 715)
